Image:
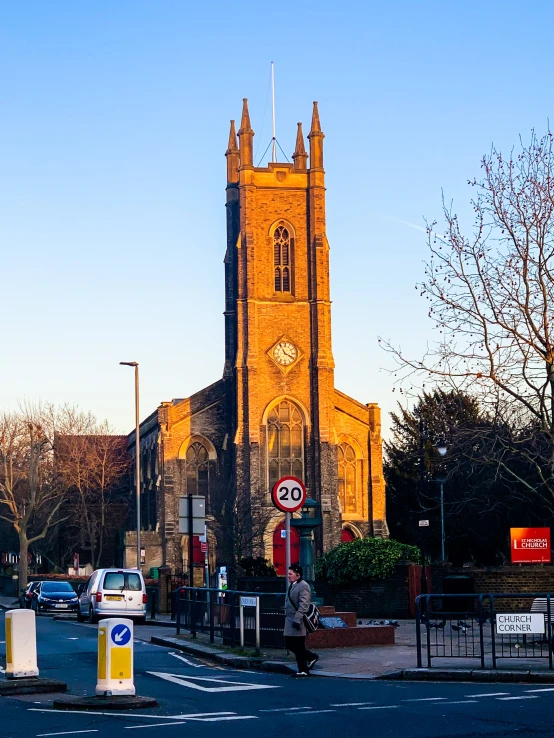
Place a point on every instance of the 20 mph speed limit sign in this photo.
(289, 494)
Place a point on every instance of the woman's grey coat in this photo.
(301, 595)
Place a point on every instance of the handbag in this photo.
(311, 618)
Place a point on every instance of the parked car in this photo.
(27, 595)
(113, 593)
(54, 597)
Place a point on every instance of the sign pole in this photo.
(191, 543)
(287, 543)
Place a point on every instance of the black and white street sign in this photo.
(289, 494)
(513, 623)
(423, 523)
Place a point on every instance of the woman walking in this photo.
(296, 606)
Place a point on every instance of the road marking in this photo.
(425, 699)
(232, 717)
(544, 689)
(182, 658)
(289, 709)
(151, 725)
(380, 707)
(523, 697)
(463, 702)
(190, 716)
(316, 712)
(72, 639)
(68, 732)
(234, 687)
(351, 704)
(488, 694)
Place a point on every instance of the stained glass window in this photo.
(197, 469)
(348, 479)
(285, 442)
(282, 261)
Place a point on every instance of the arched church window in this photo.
(285, 442)
(282, 258)
(347, 478)
(197, 469)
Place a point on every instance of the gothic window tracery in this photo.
(348, 479)
(282, 258)
(285, 442)
(197, 469)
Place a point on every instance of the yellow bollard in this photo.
(115, 657)
(21, 644)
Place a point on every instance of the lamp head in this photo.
(442, 448)
(129, 363)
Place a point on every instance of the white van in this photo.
(113, 593)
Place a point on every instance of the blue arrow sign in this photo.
(121, 634)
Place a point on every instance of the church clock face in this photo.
(285, 353)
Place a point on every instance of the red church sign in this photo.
(530, 545)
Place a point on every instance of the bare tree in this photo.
(93, 464)
(29, 493)
(491, 298)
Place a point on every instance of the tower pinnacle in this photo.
(300, 157)
(316, 141)
(246, 137)
(232, 155)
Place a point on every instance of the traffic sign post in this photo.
(288, 495)
(115, 657)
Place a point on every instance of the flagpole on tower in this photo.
(273, 138)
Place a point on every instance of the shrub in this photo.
(364, 558)
(257, 567)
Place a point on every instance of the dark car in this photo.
(55, 597)
(27, 594)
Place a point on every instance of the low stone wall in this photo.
(502, 579)
(375, 598)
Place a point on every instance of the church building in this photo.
(275, 412)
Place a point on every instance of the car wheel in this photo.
(34, 607)
(92, 618)
(140, 621)
(80, 618)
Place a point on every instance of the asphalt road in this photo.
(200, 699)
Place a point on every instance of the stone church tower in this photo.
(276, 411)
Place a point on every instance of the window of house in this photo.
(197, 469)
(347, 479)
(282, 259)
(285, 442)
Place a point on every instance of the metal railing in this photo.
(238, 618)
(464, 626)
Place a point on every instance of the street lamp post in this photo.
(442, 448)
(137, 453)
(423, 583)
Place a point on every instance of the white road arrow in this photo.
(120, 636)
(232, 686)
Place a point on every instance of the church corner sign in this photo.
(530, 545)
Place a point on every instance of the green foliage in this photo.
(257, 567)
(364, 558)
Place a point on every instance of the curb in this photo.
(467, 675)
(238, 662)
(30, 685)
(114, 702)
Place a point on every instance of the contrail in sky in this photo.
(405, 222)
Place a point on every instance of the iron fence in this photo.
(466, 626)
(217, 612)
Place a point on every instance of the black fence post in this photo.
(211, 606)
(193, 613)
(481, 634)
(153, 604)
(418, 630)
(493, 632)
(549, 629)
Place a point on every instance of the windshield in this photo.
(56, 587)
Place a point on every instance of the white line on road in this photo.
(462, 702)
(351, 704)
(72, 639)
(233, 717)
(67, 732)
(425, 699)
(182, 658)
(523, 697)
(287, 709)
(544, 689)
(234, 687)
(380, 707)
(190, 716)
(152, 725)
(488, 694)
(316, 712)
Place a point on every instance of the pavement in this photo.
(398, 662)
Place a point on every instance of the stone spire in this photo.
(246, 137)
(316, 141)
(300, 157)
(232, 155)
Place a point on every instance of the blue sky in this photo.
(113, 129)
